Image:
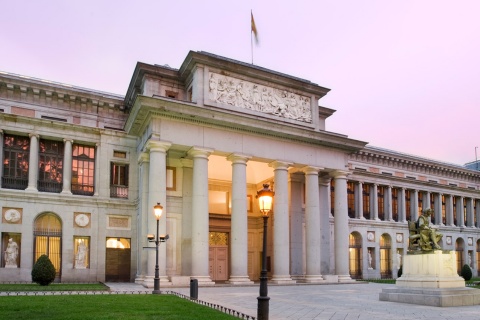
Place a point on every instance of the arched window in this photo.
(459, 247)
(385, 256)
(47, 234)
(355, 255)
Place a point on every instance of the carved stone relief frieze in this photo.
(252, 96)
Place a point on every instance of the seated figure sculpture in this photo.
(424, 237)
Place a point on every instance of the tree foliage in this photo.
(43, 271)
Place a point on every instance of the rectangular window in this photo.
(381, 203)
(83, 170)
(395, 204)
(407, 205)
(118, 180)
(351, 199)
(50, 166)
(366, 201)
(444, 211)
(16, 152)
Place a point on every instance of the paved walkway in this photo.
(333, 302)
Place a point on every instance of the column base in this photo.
(282, 279)
(345, 279)
(239, 280)
(203, 281)
(313, 279)
(31, 189)
(66, 192)
(148, 282)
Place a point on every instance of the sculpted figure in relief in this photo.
(11, 254)
(81, 257)
(247, 95)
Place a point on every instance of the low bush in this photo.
(43, 271)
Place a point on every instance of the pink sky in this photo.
(404, 74)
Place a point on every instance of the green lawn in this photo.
(105, 306)
(7, 287)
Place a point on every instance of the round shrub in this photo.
(43, 271)
(466, 272)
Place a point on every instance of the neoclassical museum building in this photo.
(83, 169)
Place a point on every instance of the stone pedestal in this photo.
(431, 279)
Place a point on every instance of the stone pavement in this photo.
(326, 301)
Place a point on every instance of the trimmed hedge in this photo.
(43, 271)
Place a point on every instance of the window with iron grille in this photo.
(83, 169)
(118, 180)
(50, 166)
(16, 151)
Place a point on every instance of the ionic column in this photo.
(157, 193)
(359, 200)
(470, 222)
(402, 208)
(325, 215)
(426, 200)
(373, 202)
(142, 218)
(312, 225)
(295, 200)
(33, 163)
(388, 203)
(460, 213)
(200, 216)
(477, 212)
(449, 209)
(96, 185)
(1, 154)
(281, 231)
(341, 232)
(437, 203)
(239, 221)
(67, 166)
(187, 168)
(414, 204)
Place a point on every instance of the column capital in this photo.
(36, 135)
(311, 170)
(143, 157)
(67, 140)
(199, 152)
(282, 165)
(340, 174)
(238, 158)
(156, 145)
(186, 163)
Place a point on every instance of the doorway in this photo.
(117, 260)
(47, 234)
(218, 256)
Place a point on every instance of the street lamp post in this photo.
(265, 200)
(157, 210)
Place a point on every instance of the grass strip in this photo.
(124, 306)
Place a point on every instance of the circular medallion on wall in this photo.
(12, 215)
(399, 237)
(370, 236)
(82, 220)
(449, 240)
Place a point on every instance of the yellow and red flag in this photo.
(254, 28)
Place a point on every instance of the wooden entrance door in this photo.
(117, 261)
(218, 262)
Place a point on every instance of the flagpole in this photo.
(251, 36)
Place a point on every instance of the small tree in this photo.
(43, 271)
(399, 272)
(466, 272)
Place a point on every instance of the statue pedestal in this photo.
(431, 279)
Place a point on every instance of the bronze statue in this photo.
(422, 236)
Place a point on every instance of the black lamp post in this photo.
(265, 200)
(157, 210)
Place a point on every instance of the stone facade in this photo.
(201, 140)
